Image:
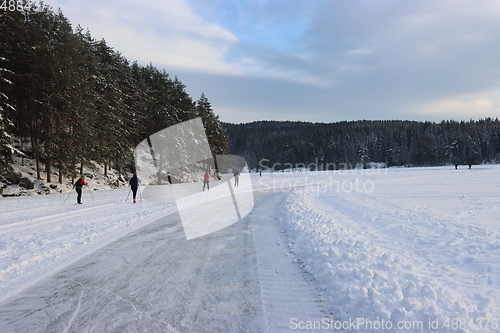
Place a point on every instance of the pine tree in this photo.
(77, 100)
(113, 127)
(216, 134)
(5, 86)
(5, 142)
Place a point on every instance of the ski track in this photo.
(35, 223)
(75, 313)
(210, 283)
(48, 239)
(286, 290)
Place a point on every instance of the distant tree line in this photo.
(73, 99)
(395, 143)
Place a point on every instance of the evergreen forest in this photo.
(279, 145)
(73, 100)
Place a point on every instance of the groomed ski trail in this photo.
(243, 278)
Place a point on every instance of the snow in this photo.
(338, 250)
(26, 167)
(39, 234)
(421, 245)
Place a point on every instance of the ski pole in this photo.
(66, 198)
(128, 195)
(91, 194)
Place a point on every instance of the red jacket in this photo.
(206, 178)
(80, 182)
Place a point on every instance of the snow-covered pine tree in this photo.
(181, 101)
(113, 128)
(138, 100)
(5, 141)
(5, 86)
(159, 112)
(216, 133)
(77, 100)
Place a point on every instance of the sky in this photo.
(313, 60)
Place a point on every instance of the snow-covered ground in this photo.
(419, 247)
(359, 250)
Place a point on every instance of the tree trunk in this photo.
(48, 161)
(160, 169)
(35, 148)
(60, 172)
(22, 149)
(154, 159)
(37, 162)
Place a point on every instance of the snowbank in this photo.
(373, 280)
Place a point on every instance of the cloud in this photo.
(474, 106)
(174, 34)
(165, 32)
(359, 52)
(268, 35)
(318, 60)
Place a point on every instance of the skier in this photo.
(206, 181)
(134, 185)
(78, 187)
(236, 175)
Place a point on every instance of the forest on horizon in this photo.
(351, 143)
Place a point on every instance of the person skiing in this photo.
(78, 187)
(134, 185)
(236, 175)
(206, 181)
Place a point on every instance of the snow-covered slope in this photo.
(27, 168)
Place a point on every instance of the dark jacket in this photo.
(134, 182)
